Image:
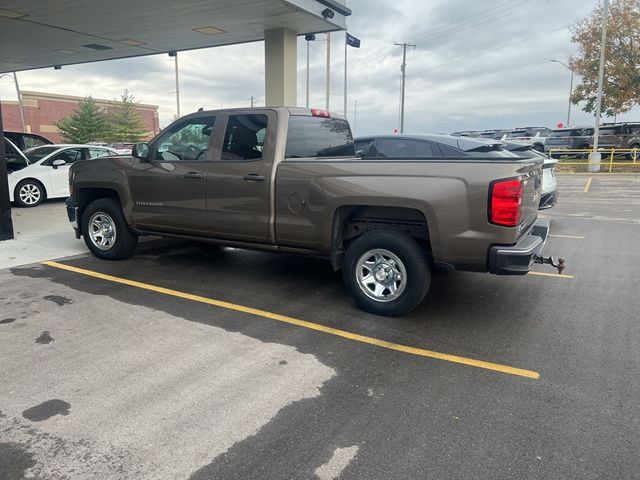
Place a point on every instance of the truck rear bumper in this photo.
(517, 259)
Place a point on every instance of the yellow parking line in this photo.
(472, 362)
(566, 236)
(588, 185)
(556, 275)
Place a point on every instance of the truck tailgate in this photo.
(532, 190)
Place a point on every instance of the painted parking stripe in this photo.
(567, 236)
(588, 185)
(556, 275)
(472, 362)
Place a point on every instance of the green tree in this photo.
(126, 123)
(621, 86)
(88, 123)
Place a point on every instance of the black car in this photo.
(24, 140)
(427, 146)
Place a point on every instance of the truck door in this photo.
(239, 182)
(168, 188)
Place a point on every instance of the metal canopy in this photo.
(37, 34)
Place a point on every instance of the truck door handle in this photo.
(252, 177)
(193, 175)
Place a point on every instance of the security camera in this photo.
(327, 13)
(309, 37)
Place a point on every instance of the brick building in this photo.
(43, 110)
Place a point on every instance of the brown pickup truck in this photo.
(288, 180)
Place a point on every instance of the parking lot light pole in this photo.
(594, 156)
(175, 57)
(19, 94)
(570, 89)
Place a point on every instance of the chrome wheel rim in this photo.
(30, 194)
(102, 230)
(381, 275)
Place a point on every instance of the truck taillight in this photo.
(506, 200)
(316, 112)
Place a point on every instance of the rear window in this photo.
(406, 148)
(318, 137)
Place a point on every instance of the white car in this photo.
(549, 195)
(47, 174)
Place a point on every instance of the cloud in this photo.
(476, 65)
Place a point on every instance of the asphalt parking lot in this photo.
(188, 362)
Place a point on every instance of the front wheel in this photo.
(29, 193)
(386, 273)
(106, 232)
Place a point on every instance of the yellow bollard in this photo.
(611, 159)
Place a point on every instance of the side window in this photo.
(10, 152)
(69, 156)
(401, 147)
(98, 152)
(33, 141)
(186, 141)
(244, 137)
(365, 149)
(448, 151)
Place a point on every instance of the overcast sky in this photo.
(477, 64)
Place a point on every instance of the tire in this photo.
(630, 154)
(29, 193)
(386, 252)
(105, 230)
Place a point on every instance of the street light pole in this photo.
(570, 88)
(595, 157)
(328, 80)
(19, 94)
(175, 57)
(310, 37)
(403, 68)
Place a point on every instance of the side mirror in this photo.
(140, 150)
(58, 163)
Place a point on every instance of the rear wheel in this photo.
(29, 193)
(106, 232)
(386, 273)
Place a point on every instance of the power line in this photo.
(469, 21)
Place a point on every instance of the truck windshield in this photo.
(310, 137)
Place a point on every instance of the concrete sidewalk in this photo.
(41, 233)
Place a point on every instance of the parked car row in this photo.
(616, 135)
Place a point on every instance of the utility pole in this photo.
(252, 100)
(403, 69)
(595, 157)
(328, 80)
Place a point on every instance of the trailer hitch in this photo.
(550, 261)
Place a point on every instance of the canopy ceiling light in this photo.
(131, 43)
(11, 14)
(209, 30)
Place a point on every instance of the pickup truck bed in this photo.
(288, 180)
